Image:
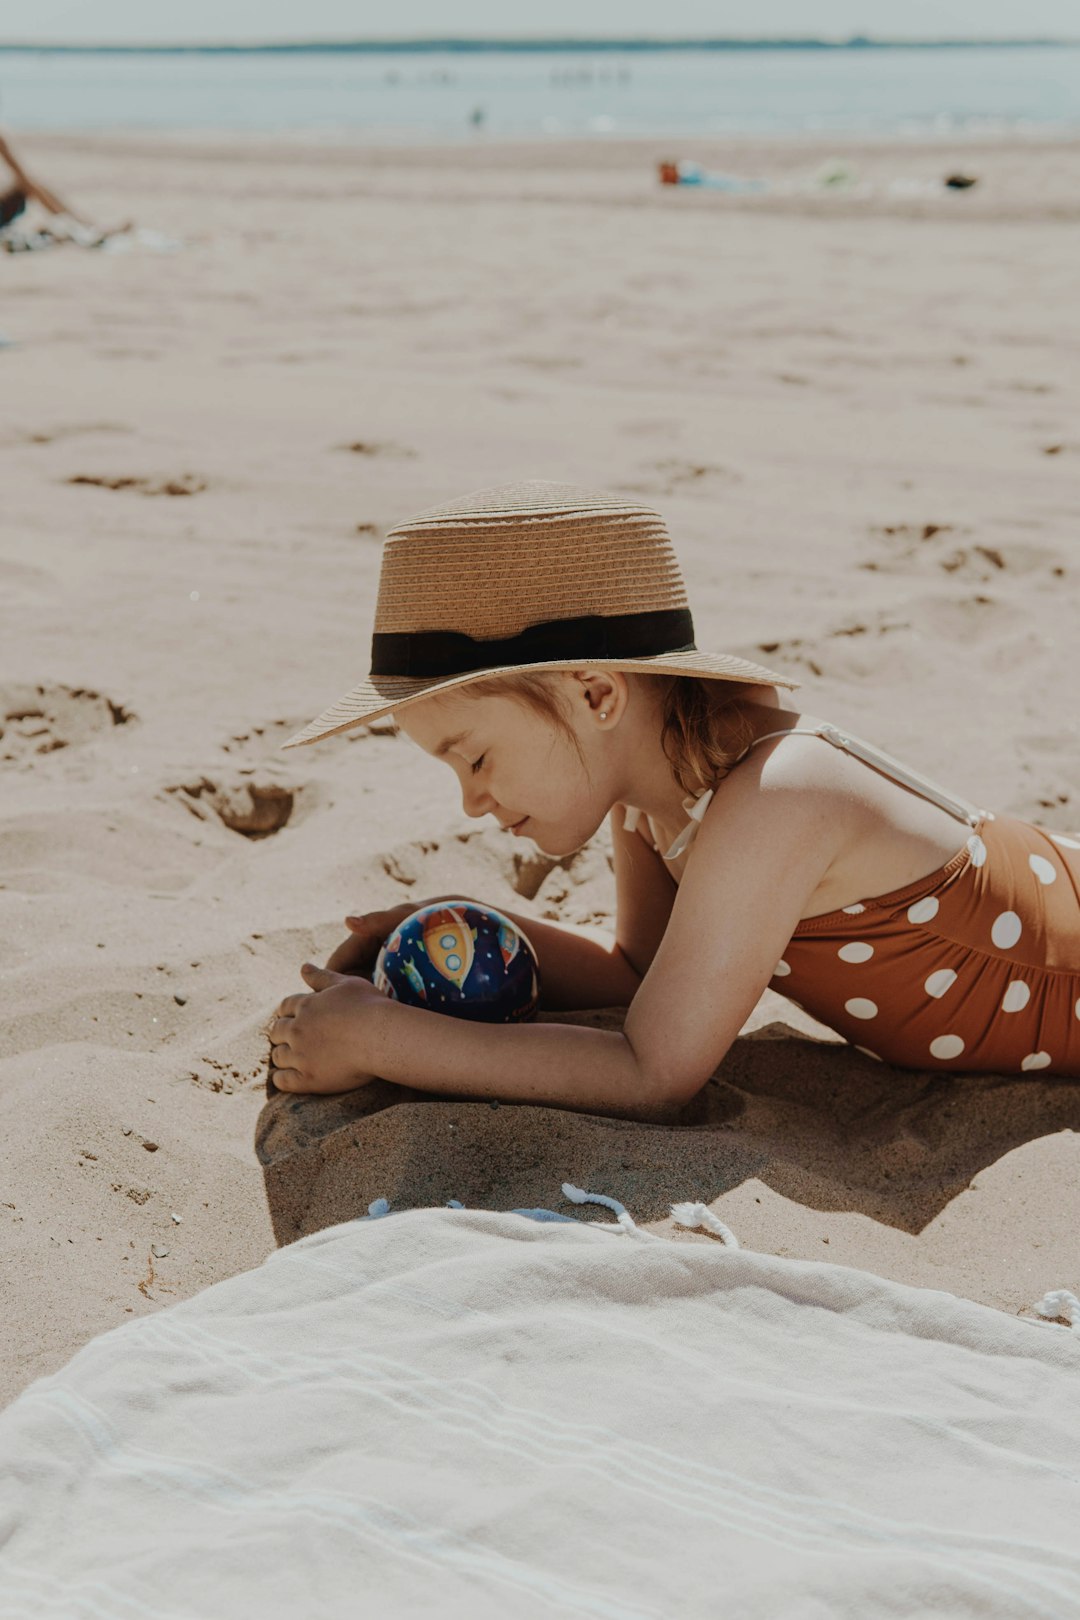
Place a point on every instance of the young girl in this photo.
(536, 640)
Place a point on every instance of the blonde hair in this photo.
(703, 728)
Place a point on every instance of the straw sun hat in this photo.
(530, 576)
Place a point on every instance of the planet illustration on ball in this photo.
(465, 960)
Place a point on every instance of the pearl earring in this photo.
(603, 714)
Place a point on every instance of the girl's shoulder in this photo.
(789, 748)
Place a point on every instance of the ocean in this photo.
(446, 95)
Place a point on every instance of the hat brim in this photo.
(381, 694)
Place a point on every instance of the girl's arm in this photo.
(764, 847)
(579, 966)
(762, 850)
(553, 1065)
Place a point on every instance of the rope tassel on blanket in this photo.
(695, 1215)
(690, 1215)
(1060, 1303)
(623, 1217)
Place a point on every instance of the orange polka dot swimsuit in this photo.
(975, 966)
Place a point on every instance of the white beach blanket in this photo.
(458, 1413)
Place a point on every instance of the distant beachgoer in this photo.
(65, 225)
(13, 201)
(536, 639)
(682, 173)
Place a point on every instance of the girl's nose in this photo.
(475, 800)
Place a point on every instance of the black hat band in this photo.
(439, 654)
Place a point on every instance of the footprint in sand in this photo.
(694, 474)
(886, 647)
(255, 795)
(373, 447)
(263, 742)
(185, 484)
(74, 430)
(903, 548)
(677, 476)
(851, 650)
(254, 806)
(914, 548)
(37, 720)
(575, 888)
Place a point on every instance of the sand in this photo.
(858, 413)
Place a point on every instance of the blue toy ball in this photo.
(465, 960)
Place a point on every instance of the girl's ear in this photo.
(605, 691)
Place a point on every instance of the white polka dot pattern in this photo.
(1006, 930)
(860, 1007)
(781, 970)
(1016, 997)
(973, 969)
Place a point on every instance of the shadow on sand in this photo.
(813, 1120)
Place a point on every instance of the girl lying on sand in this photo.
(537, 640)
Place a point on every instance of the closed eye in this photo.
(477, 764)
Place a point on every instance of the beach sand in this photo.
(858, 413)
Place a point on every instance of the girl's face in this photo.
(516, 765)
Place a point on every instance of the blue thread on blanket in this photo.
(685, 1214)
(1057, 1306)
(381, 1207)
(624, 1220)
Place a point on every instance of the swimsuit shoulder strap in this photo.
(962, 809)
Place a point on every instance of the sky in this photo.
(163, 21)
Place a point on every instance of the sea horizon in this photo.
(592, 45)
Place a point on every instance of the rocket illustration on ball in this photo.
(415, 978)
(509, 943)
(450, 945)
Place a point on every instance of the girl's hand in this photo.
(367, 931)
(317, 1040)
